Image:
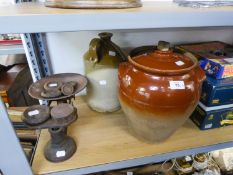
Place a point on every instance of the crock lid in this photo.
(164, 61)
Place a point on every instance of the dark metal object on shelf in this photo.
(61, 147)
(52, 85)
(68, 88)
(60, 88)
(51, 93)
(37, 88)
(52, 121)
(36, 115)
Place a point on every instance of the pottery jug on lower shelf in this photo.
(158, 91)
(101, 68)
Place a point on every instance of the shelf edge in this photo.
(103, 21)
(143, 160)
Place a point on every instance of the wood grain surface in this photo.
(104, 138)
(15, 113)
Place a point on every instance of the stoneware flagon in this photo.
(158, 91)
(101, 68)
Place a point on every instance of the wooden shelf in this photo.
(105, 143)
(35, 17)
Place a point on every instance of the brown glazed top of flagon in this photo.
(144, 82)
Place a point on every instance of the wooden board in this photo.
(15, 113)
(7, 79)
(14, 86)
(104, 138)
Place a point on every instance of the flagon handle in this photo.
(94, 49)
(106, 39)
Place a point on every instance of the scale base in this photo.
(61, 147)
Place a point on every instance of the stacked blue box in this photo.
(215, 108)
(217, 92)
(216, 103)
(212, 117)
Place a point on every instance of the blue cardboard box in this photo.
(212, 117)
(215, 57)
(217, 92)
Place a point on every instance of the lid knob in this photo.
(105, 35)
(163, 46)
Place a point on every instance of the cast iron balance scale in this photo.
(61, 89)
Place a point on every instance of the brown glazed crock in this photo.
(158, 91)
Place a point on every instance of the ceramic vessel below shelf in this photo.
(93, 4)
(158, 92)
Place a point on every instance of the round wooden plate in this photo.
(93, 4)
